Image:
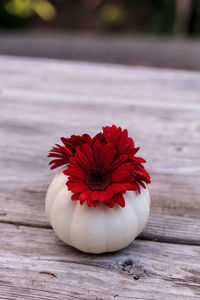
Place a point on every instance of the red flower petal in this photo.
(82, 160)
(108, 158)
(88, 153)
(95, 203)
(89, 202)
(131, 186)
(57, 163)
(76, 187)
(74, 170)
(105, 195)
(75, 197)
(119, 199)
(138, 159)
(110, 202)
(84, 195)
(97, 151)
(120, 176)
(121, 159)
(122, 173)
(117, 188)
(96, 195)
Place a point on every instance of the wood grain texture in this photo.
(41, 100)
(42, 267)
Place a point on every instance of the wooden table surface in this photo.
(41, 100)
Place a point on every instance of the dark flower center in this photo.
(98, 179)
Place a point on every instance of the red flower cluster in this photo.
(102, 168)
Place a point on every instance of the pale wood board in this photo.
(41, 100)
(41, 267)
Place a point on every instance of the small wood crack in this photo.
(26, 224)
(48, 273)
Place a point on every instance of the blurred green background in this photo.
(161, 17)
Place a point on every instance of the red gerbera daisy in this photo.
(101, 169)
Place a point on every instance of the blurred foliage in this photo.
(151, 16)
(113, 13)
(27, 8)
(14, 13)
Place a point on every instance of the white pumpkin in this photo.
(95, 229)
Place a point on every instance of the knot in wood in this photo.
(132, 268)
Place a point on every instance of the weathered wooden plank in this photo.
(82, 81)
(27, 207)
(42, 100)
(36, 265)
